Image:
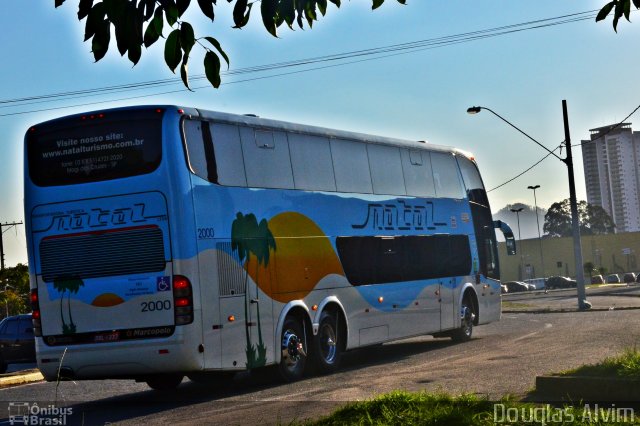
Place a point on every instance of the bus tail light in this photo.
(182, 300)
(35, 316)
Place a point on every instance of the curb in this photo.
(565, 310)
(584, 388)
(20, 379)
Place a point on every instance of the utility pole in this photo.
(3, 225)
(575, 220)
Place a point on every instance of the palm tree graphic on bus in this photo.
(72, 286)
(248, 237)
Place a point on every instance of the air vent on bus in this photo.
(102, 254)
(230, 274)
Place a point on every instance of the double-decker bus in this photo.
(167, 241)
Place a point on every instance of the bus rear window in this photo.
(95, 147)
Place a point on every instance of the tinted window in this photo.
(446, 176)
(351, 166)
(110, 146)
(25, 328)
(228, 152)
(311, 161)
(418, 177)
(266, 157)
(12, 328)
(378, 260)
(200, 149)
(472, 181)
(386, 170)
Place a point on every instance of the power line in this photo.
(522, 173)
(378, 53)
(612, 128)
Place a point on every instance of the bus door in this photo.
(447, 313)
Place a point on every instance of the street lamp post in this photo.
(568, 161)
(535, 202)
(517, 212)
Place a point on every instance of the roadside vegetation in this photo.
(404, 408)
(625, 365)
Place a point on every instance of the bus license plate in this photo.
(107, 337)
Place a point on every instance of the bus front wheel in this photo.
(165, 382)
(327, 344)
(294, 350)
(467, 316)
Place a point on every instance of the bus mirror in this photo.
(508, 236)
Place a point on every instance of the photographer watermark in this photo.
(25, 413)
(547, 414)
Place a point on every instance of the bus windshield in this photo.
(95, 147)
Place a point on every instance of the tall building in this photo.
(611, 160)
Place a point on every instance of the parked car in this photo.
(17, 342)
(629, 277)
(516, 286)
(504, 289)
(613, 278)
(560, 282)
(638, 277)
(597, 279)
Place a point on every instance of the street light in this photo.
(535, 201)
(568, 161)
(517, 212)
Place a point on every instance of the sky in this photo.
(418, 95)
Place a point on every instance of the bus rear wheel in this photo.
(327, 345)
(165, 382)
(294, 350)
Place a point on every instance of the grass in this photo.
(404, 408)
(515, 305)
(625, 365)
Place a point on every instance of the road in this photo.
(502, 358)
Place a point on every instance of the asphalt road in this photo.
(502, 358)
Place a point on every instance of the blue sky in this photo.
(419, 96)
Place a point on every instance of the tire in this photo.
(294, 350)
(165, 382)
(327, 344)
(467, 316)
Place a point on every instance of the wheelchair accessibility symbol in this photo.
(163, 284)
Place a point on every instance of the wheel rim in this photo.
(467, 317)
(328, 347)
(292, 349)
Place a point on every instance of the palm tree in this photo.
(73, 286)
(248, 237)
(61, 286)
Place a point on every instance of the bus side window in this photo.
(418, 177)
(386, 170)
(228, 152)
(445, 176)
(351, 166)
(311, 161)
(472, 181)
(199, 150)
(266, 158)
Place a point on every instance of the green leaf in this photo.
(84, 7)
(627, 9)
(94, 20)
(149, 8)
(212, 68)
(322, 6)
(286, 10)
(604, 12)
(239, 16)
(376, 4)
(135, 52)
(207, 8)
(636, 3)
(182, 6)
(336, 2)
(184, 72)
(218, 47)
(617, 14)
(150, 35)
(170, 11)
(158, 21)
(187, 37)
(268, 8)
(402, 2)
(172, 50)
(59, 3)
(122, 38)
(100, 42)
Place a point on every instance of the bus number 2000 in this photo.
(158, 305)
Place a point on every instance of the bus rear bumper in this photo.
(117, 360)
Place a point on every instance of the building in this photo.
(611, 160)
